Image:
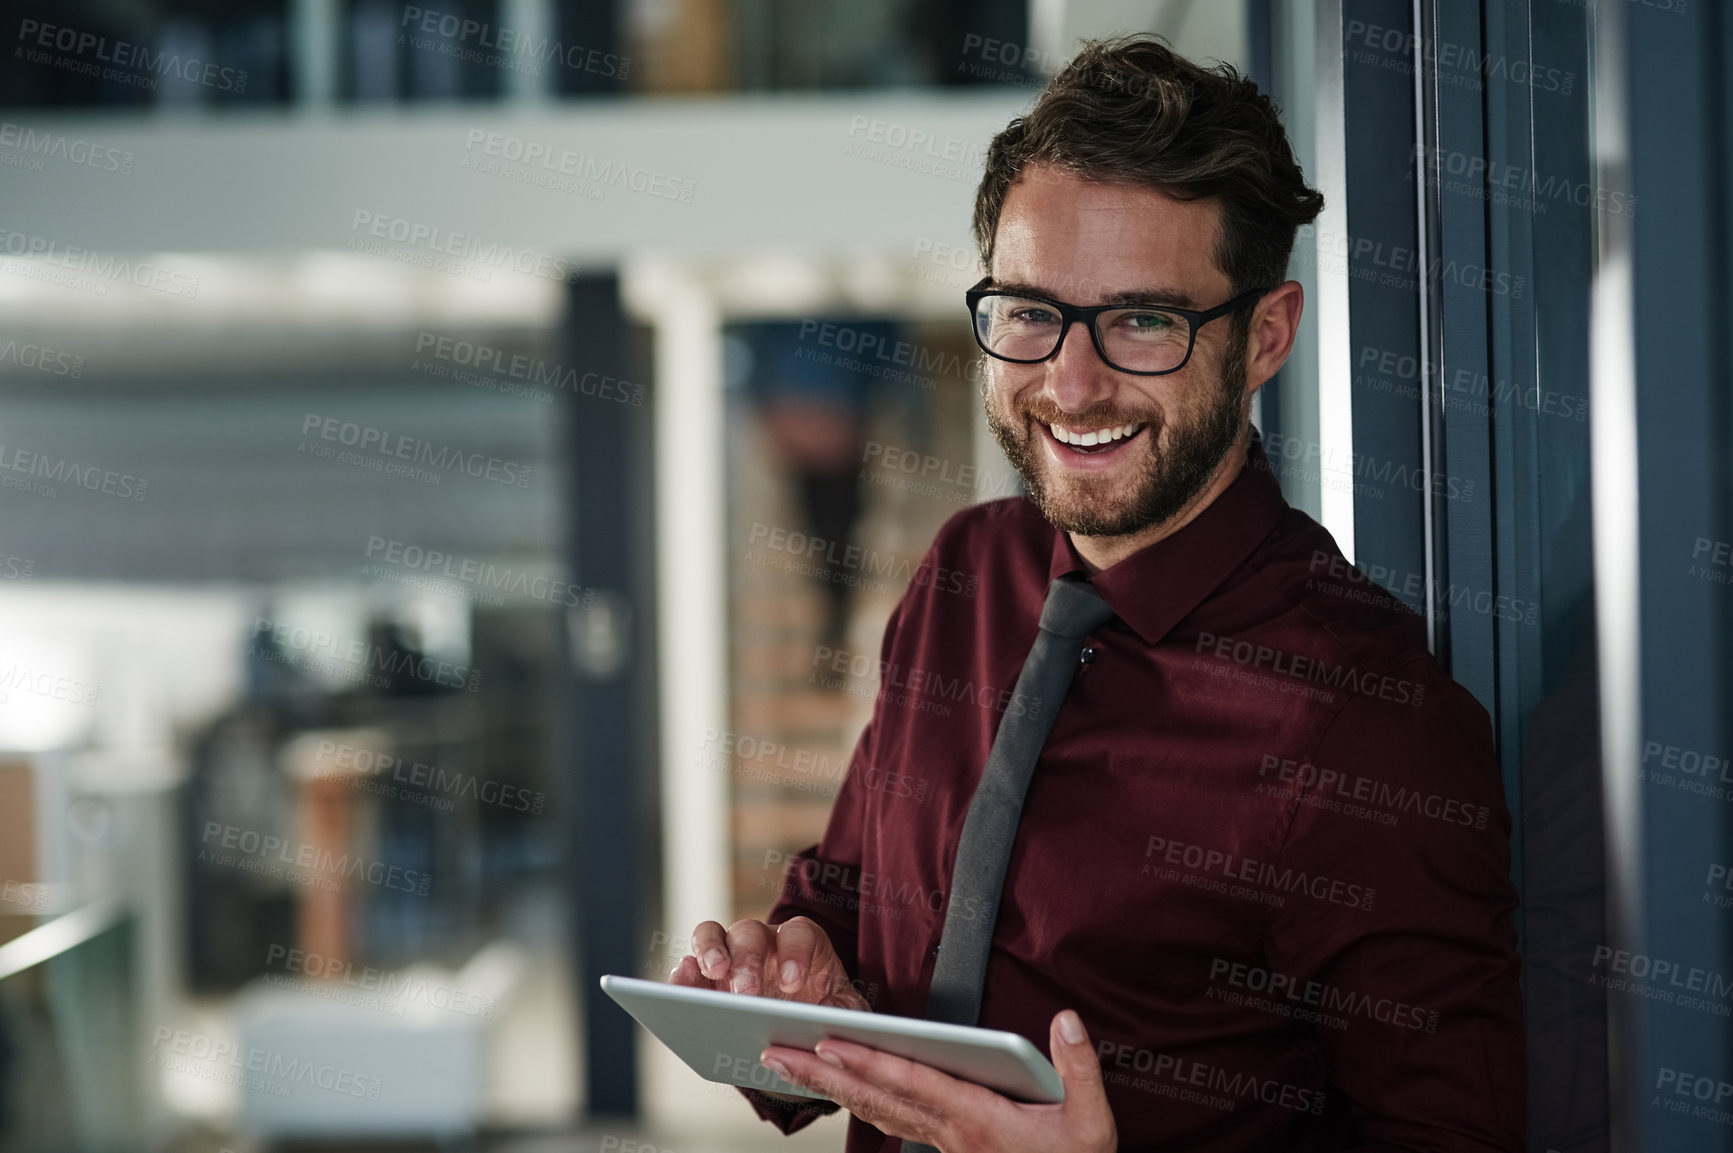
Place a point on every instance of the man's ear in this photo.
(1275, 321)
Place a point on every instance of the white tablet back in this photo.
(721, 1034)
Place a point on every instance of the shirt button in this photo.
(1087, 656)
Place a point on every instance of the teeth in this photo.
(1099, 436)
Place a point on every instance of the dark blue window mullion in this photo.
(1261, 54)
(1507, 273)
(1378, 117)
(1461, 481)
(1503, 397)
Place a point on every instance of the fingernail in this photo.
(1071, 1027)
(714, 959)
(828, 1055)
(774, 1066)
(790, 974)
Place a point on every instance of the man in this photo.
(1258, 895)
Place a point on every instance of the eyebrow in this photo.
(1152, 295)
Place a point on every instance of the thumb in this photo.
(1074, 1058)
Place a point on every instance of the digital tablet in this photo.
(721, 1034)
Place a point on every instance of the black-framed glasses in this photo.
(1144, 340)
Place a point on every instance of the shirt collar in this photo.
(1156, 587)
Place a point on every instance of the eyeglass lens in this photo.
(1135, 339)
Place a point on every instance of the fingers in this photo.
(808, 969)
(900, 1075)
(710, 947)
(794, 960)
(796, 941)
(897, 1097)
(750, 943)
(1086, 1107)
(687, 973)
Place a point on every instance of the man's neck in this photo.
(1103, 552)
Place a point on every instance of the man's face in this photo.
(1082, 242)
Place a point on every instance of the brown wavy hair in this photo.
(1130, 109)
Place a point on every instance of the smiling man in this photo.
(1195, 810)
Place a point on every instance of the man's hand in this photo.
(908, 1100)
(793, 961)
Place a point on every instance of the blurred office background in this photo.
(458, 460)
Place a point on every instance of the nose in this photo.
(1077, 377)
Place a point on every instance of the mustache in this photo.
(1104, 415)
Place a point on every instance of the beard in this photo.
(1171, 475)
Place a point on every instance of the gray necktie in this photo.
(1073, 610)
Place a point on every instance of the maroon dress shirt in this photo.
(1265, 852)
